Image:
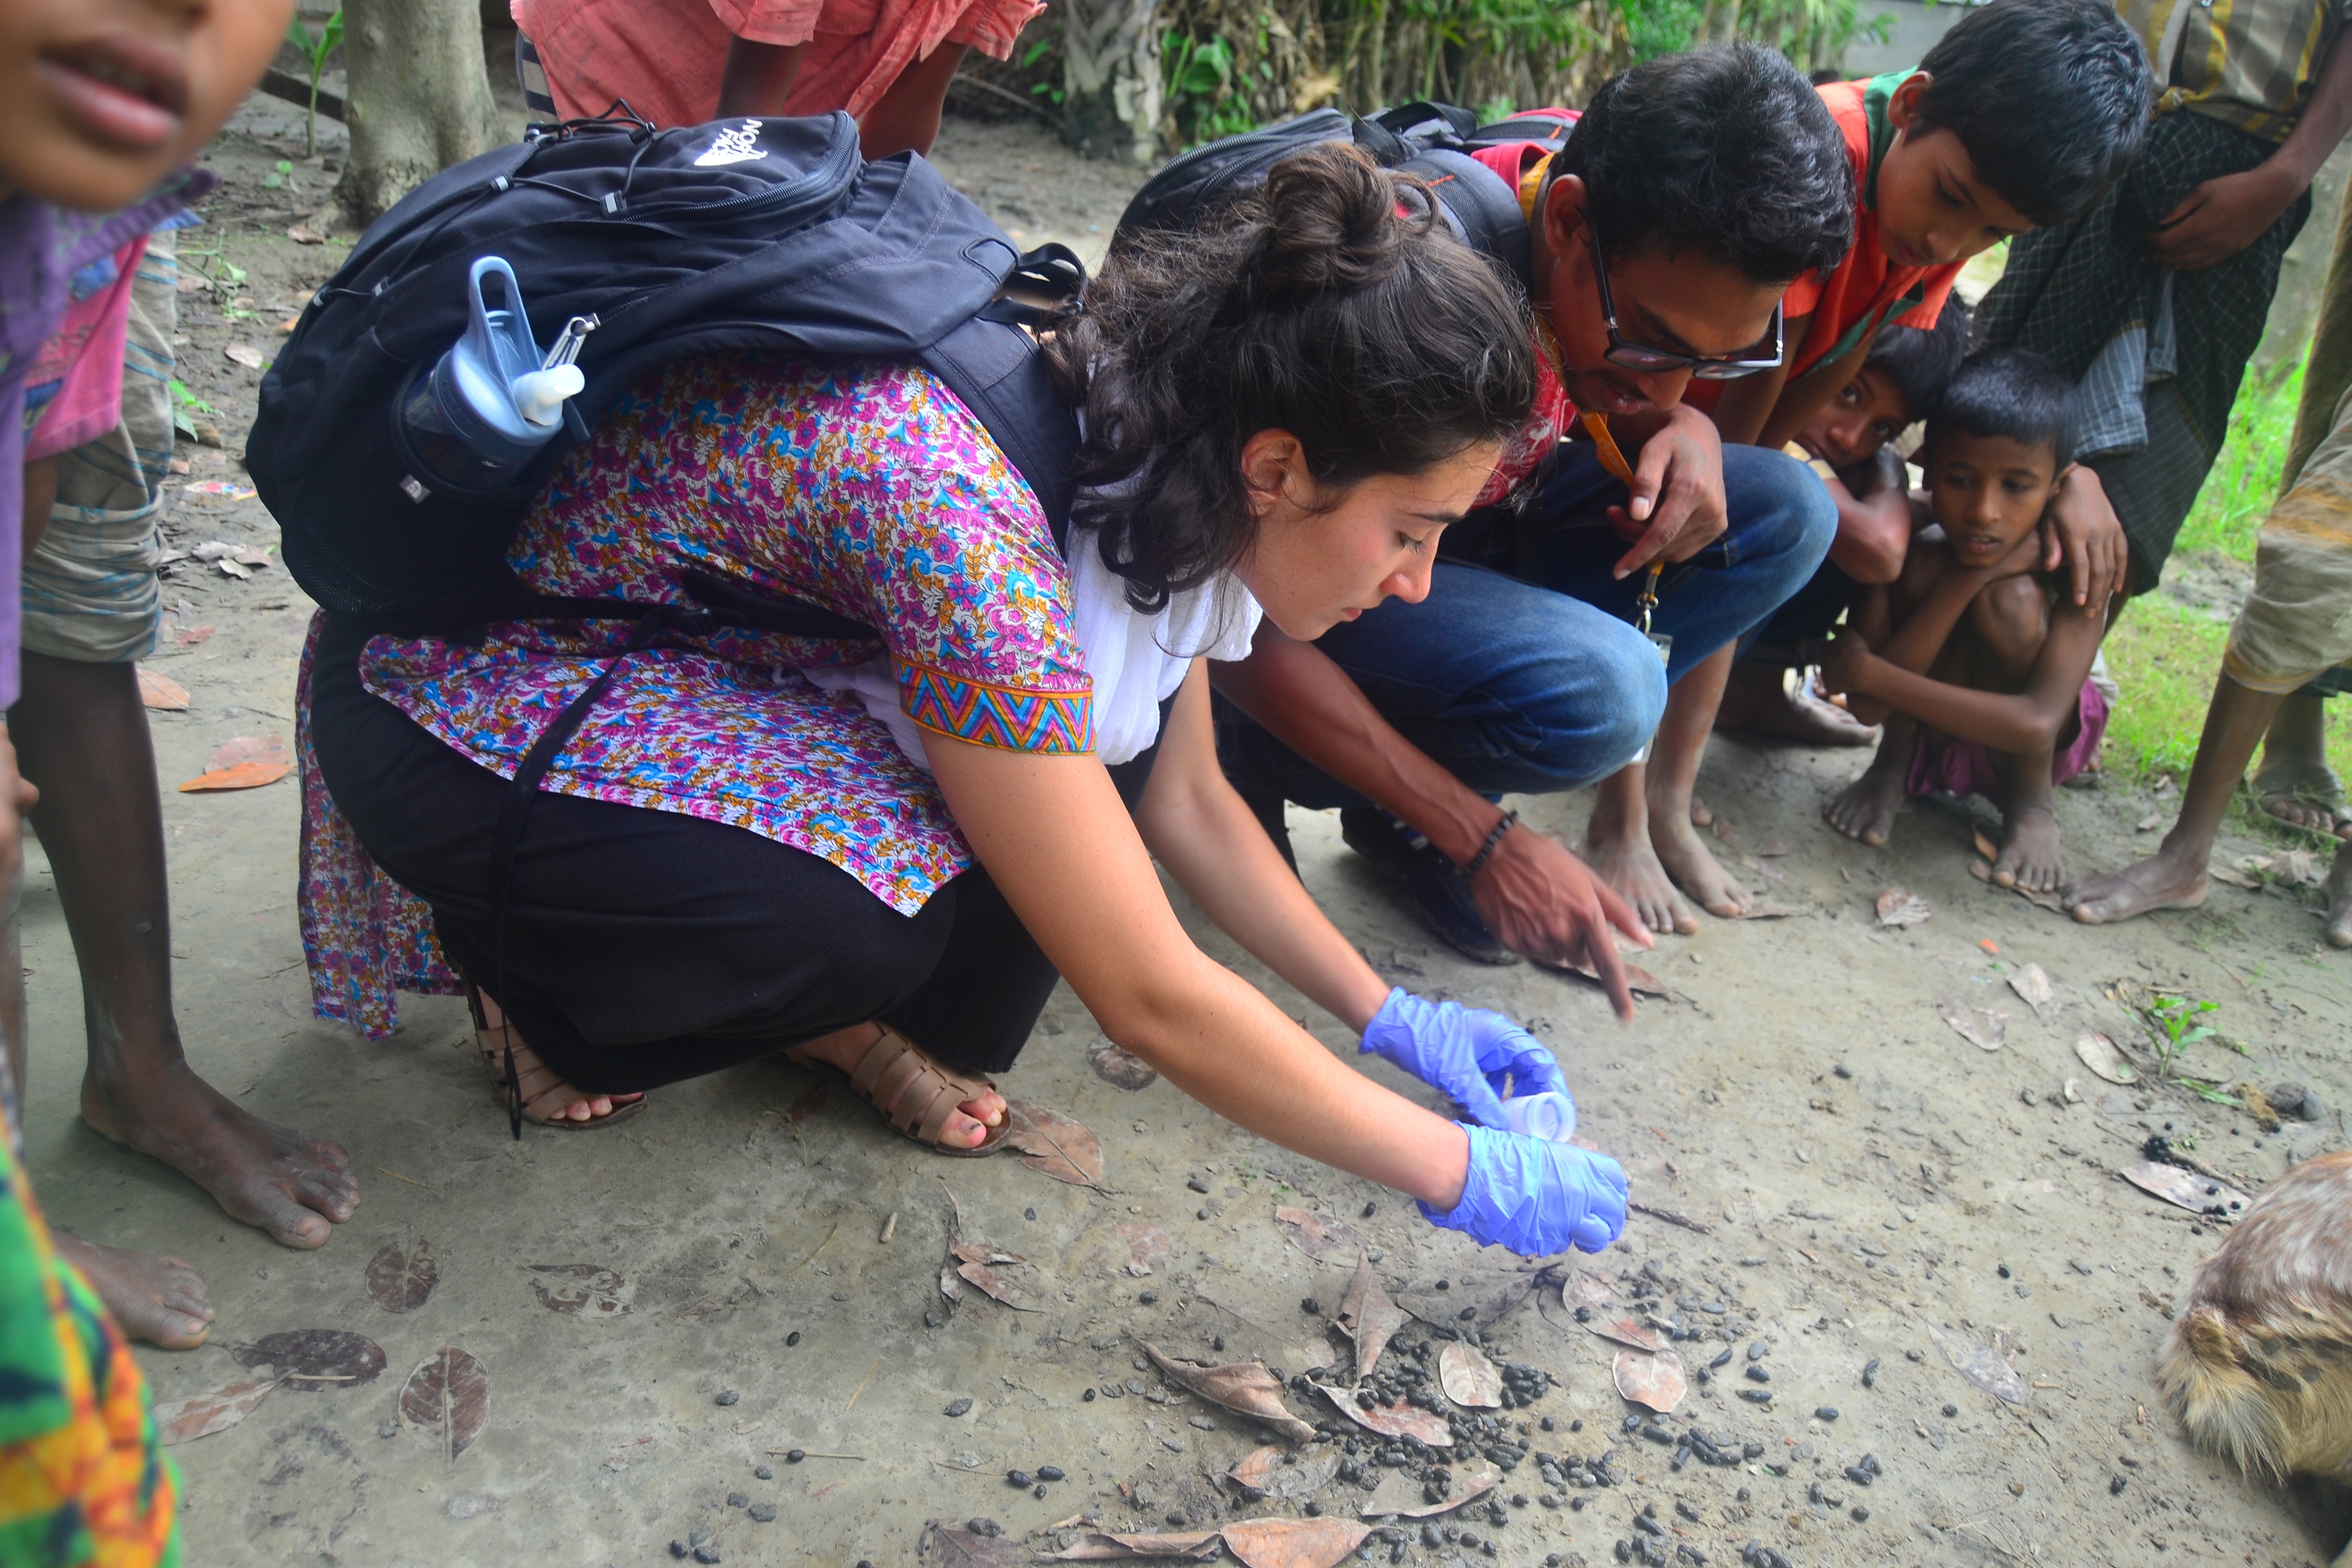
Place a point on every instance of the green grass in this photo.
(2167, 654)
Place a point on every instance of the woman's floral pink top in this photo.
(867, 490)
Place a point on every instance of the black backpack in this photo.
(770, 234)
(1434, 141)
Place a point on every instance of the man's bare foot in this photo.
(1866, 810)
(2304, 795)
(157, 1299)
(296, 1188)
(1693, 866)
(1759, 701)
(2167, 879)
(967, 1127)
(1631, 866)
(2028, 851)
(2339, 900)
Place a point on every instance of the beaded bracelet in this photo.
(1477, 863)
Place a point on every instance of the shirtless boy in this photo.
(1976, 660)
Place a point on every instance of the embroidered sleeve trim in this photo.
(1013, 718)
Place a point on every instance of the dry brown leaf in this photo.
(1398, 1420)
(1638, 980)
(581, 1289)
(1196, 1546)
(1264, 1473)
(2187, 1190)
(1294, 1543)
(2104, 1056)
(1626, 1332)
(1901, 907)
(1118, 1067)
(1369, 1316)
(315, 1360)
(1468, 1377)
(245, 775)
(807, 1106)
(1314, 1235)
(977, 1263)
(247, 355)
(950, 1283)
(1246, 1388)
(1984, 1027)
(1773, 850)
(1471, 1481)
(2234, 877)
(1980, 1364)
(2033, 986)
(1985, 847)
(162, 693)
(1052, 1145)
(1651, 1379)
(449, 1396)
(1147, 1246)
(402, 1282)
(949, 1548)
(1484, 1297)
(981, 1253)
(302, 234)
(214, 1410)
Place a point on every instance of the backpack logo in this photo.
(739, 145)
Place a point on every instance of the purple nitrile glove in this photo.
(1535, 1198)
(1465, 1051)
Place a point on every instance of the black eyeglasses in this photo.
(1658, 362)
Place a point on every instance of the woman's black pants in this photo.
(642, 947)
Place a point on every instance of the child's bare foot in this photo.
(1628, 863)
(1759, 701)
(1701, 814)
(2167, 879)
(157, 1299)
(1866, 810)
(967, 1126)
(2028, 851)
(1686, 859)
(2339, 900)
(295, 1188)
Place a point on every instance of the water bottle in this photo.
(1550, 1116)
(493, 400)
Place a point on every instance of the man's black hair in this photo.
(2014, 392)
(1921, 360)
(1727, 153)
(2050, 97)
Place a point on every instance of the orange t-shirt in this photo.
(1867, 289)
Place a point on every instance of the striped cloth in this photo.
(2159, 354)
(2246, 63)
(91, 594)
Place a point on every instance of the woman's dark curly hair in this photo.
(1331, 302)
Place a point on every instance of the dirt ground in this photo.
(666, 1313)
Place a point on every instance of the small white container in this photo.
(1549, 1115)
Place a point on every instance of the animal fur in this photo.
(2259, 1363)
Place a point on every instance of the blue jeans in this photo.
(1522, 671)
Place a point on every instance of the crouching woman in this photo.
(876, 854)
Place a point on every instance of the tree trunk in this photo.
(1110, 78)
(419, 98)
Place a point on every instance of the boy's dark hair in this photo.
(1332, 302)
(1725, 151)
(2050, 97)
(2014, 392)
(1921, 360)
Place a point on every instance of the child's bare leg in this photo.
(84, 739)
(2174, 876)
(1865, 809)
(907, 119)
(2294, 781)
(1672, 776)
(2029, 855)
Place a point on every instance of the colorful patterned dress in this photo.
(867, 490)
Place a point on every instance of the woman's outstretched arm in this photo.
(1200, 829)
(1054, 836)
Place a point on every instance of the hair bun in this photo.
(1332, 221)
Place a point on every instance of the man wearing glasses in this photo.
(1618, 547)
